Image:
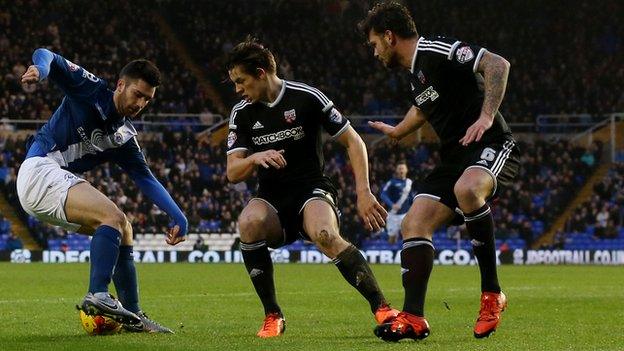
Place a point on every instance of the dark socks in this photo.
(104, 251)
(125, 279)
(480, 225)
(260, 268)
(357, 272)
(416, 265)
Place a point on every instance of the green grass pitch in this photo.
(213, 307)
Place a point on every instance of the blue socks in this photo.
(104, 252)
(125, 279)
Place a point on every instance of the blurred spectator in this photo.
(14, 243)
(397, 195)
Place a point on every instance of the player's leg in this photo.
(491, 166)
(320, 223)
(260, 229)
(424, 216)
(126, 283)
(46, 191)
(97, 214)
(472, 190)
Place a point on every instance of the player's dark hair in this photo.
(390, 16)
(251, 55)
(142, 69)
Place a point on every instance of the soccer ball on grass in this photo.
(99, 325)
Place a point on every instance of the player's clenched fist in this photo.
(31, 75)
(270, 158)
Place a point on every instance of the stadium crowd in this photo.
(603, 210)
(102, 41)
(317, 42)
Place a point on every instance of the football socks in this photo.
(357, 272)
(125, 279)
(260, 268)
(104, 252)
(480, 225)
(416, 265)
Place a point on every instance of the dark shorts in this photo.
(290, 202)
(501, 159)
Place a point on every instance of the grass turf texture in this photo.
(214, 307)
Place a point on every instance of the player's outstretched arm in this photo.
(414, 119)
(372, 213)
(131, 160)
(495, 70)
(71, 78)
(240, 168)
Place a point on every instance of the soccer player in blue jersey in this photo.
(397, 195)
(90, 127)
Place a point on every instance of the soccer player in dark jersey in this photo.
(276, 130)
(90, 127)
(457, 88)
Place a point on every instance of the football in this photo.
(99, 325)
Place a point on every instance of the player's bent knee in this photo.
(115, 219)
(467, 190)
(412, 228)
(328, 240)
(127, 234)
(251, 226)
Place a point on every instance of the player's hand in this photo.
(372, 213)
(388, 130)
(31, 75)
(476, 130)
(174, 236)
(270, 158)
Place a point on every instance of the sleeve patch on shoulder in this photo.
(464, 54)
(231, 139)
(335, 116)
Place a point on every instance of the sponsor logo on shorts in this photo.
(295, 133)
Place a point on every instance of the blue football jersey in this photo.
(85, 130)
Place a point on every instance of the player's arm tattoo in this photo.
(495, 71)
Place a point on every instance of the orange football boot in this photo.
(385, 314)
(274, 325)
(404, 326)
(492, 304)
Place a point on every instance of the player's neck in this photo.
(274, 85)
(405, 50)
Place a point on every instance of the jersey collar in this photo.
(279, 97)
(415, 53)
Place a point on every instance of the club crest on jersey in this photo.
(117, 139)
(290, 115)
(231, 139)
(421, 77)
(72, 66)
(335, 116)
(464, 54)
(428, 94)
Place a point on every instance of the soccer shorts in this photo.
(500, 159)
(393, 224)
(42, 187)
(289, 204)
